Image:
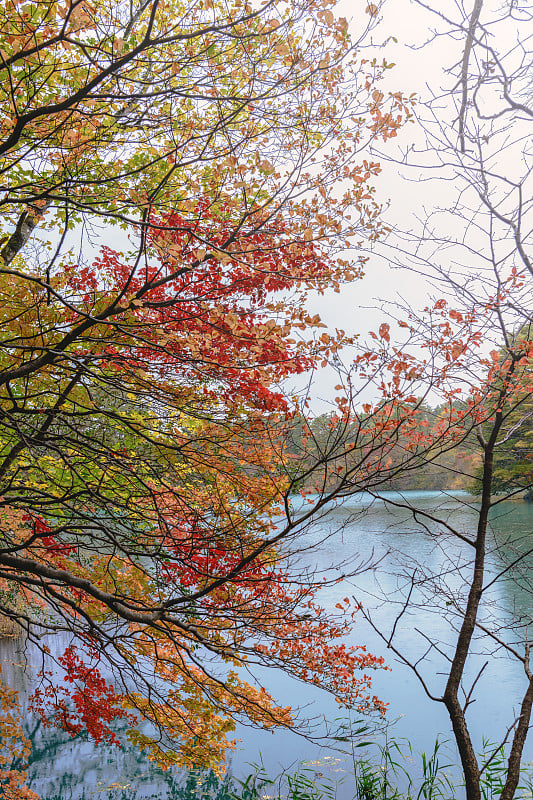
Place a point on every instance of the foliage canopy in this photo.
(144, 482)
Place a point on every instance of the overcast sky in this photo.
(416, 70)
(362, 305)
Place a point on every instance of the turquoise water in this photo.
(392, 551)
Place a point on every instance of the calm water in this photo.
(363, 532)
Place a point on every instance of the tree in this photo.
(314, 441)
(475, 251)
(141, 404)
(115, 111)
(513, 456)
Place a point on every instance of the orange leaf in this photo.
(384, 331)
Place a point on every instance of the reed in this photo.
(392, 772)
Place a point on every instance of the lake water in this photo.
(360, 531)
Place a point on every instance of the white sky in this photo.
(362, 306)
(416, 70)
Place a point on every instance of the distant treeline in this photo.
(322, 439)
(448, 455)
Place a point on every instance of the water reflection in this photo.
(75, 770)
(61, 767)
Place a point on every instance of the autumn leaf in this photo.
(384, 331)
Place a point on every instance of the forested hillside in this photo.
(323, 439)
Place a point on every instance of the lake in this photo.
(358, 530)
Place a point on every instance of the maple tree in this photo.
(144, 480)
